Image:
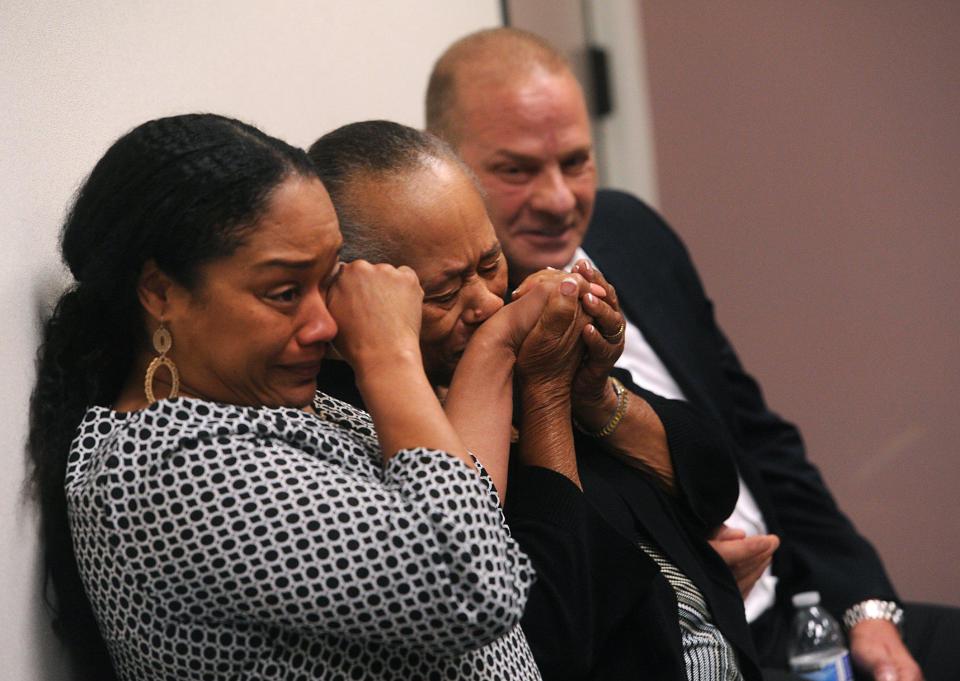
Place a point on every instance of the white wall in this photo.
(625, 138)
(75, 76)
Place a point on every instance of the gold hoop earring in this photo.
(162, 342)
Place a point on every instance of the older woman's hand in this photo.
(510, 325)
(548, 359)
(594, 399)
(552, 351)
(378, 312)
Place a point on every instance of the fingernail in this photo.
(886, 673)
(514, 292)
(568, 286)
(590, 298)
(587, 266)
(551, 268)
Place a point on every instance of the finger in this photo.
(562, 306)
(537, 278)
(595, 276)
(584, 268)
(755, 565)
(885, 672)
(608, 321)
(598, 290)
(525, 286)
(727, 532)
(600, 354)
(736, 551)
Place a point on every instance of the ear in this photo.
(153, 290)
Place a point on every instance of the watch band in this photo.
(873, 609)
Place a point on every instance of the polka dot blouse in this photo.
(225, 542)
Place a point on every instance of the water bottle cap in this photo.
(806, 599)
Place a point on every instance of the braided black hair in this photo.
(181, 191)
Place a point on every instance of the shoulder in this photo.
(150, 437)
(625, 232)
(618, 215)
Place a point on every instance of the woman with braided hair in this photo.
(205, 513)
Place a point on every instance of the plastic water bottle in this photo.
(816, 649)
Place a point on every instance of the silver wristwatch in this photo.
(873, 609)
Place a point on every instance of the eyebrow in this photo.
(292, 263)
(526, 158)
(286, 264)
(459, 272)
(492, 252)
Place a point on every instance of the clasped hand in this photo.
(578, 339)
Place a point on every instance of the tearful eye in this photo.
(492, 268)
(289, 294)
(444, 298)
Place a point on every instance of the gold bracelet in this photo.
(618, 414)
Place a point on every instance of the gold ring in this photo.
(618, 336)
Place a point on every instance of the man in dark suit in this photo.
(508, 103)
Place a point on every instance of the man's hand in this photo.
(747, 557)
(876, 647)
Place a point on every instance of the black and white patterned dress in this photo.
(225, 542)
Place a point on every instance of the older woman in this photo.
(627, 585)
(225, 521)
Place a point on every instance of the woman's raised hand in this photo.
(378, 311)
(553, 348)
(593, 398)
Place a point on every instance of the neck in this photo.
(132, 396)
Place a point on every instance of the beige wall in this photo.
(74, 76)
(809, 154)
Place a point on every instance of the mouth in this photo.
(555, 236)
(304, 370)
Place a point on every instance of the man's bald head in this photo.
(493, 56)
(509, 104)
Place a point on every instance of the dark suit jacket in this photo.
(600, 608)
(661, 293)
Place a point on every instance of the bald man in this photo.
(508, 103)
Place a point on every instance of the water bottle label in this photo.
(836, 669)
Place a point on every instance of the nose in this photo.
(316, 324)
(552, 194)
(480, 303)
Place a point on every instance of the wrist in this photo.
(593, 414)
(544, 394)
(378, 366)
(612, 422)
(492, 347)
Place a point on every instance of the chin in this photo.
(296, 398)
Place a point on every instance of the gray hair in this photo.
(373, 149)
